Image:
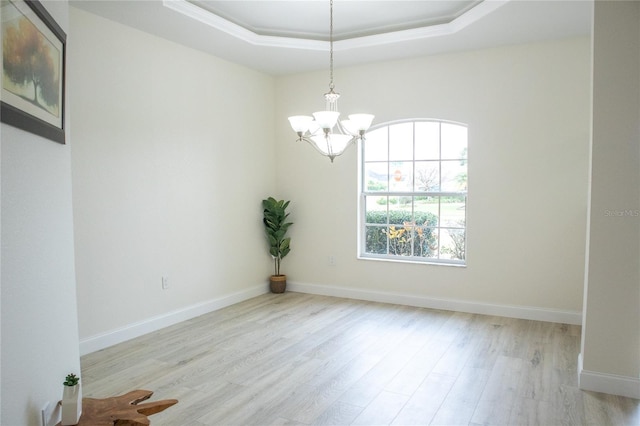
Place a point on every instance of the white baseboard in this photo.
(110, 338)
(522, 312)
(608, 383)
(119, 335)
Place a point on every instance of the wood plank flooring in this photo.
(299, 359)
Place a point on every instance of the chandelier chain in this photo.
(331, 44)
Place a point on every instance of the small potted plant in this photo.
(71, 400)
(276, 226)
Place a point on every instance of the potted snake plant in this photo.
(276, 226)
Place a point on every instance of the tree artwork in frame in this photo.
(33, 60)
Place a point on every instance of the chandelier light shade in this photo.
(324, 131)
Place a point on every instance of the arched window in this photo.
(413, 192)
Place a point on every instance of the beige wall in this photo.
(164, 156)
(39, 317)
(611, 331)
(527, 108)
(174, 152)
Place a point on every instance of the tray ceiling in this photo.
(284, 37)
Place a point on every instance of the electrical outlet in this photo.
(331, 260)
(49, 415)
(165, 283)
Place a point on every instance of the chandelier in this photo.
(319, 129)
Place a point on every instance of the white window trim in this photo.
(361, 245)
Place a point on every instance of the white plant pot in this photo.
(71, 405)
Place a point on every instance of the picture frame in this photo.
(32, 96)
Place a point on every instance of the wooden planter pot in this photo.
(278, 283)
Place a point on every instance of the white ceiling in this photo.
(284, 37)
(352, 18)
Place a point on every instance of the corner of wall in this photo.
(607, 383)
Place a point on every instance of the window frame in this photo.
(363, 194)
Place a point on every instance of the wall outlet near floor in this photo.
(165, 283)
(331, 260)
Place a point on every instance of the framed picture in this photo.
(33, 69)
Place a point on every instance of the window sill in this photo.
(456, 264)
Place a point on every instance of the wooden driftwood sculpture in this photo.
(123, 410)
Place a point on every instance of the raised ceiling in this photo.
(310, 19)
(284, 37)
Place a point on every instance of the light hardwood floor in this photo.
(299, 359)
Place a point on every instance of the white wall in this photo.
(39, 317)
(173, 153)
(611, 331)
(527, 108)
